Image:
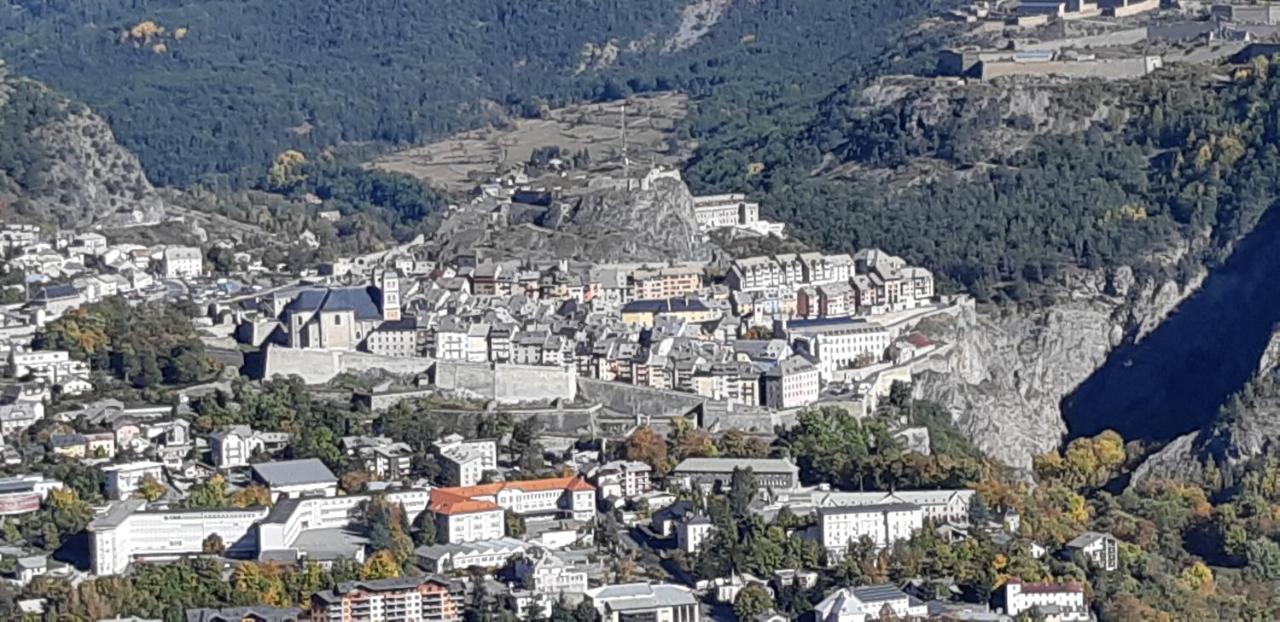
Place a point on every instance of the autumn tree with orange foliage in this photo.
(647, 446)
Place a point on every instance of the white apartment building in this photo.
(884, 524)
(939, 506)
(182, 262)
(724, 210)
(1066, 600)
(461, 521)
(789, 271)
(18, 416)
(839, 343)
(885, 283)
(869, 602)
(125, 479)
(234, 446)
(53, 366)
(490, 554)
(1101, 548)
(465, 462)
(91, 243)
(659, 602)
(477, 343)
(296, 478)
(543, 572)
(290, 518)
(127, 530)
(451, 340)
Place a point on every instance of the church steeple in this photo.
(387, 283)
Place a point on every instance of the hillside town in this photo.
(450, 424)
(586, 360)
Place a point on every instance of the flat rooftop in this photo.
(294, 472)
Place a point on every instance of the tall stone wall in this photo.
(1108, 39)
(320, 366)
(629, 399)
(1110, 69)
(556, 421)
(403, 365)
(507, 384)
(313, 366)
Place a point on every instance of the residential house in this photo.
(1100, 548)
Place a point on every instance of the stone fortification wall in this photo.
(1110, 69)
(660, 406)
(630, 399)
(506, 384)
(568, 420)
(313, 366)
(1108, 39)
(320, 366)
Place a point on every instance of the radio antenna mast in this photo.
(626, 161)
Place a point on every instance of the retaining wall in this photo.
(1111, 69)
(320, 366)
(507, 384)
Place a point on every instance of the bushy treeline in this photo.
(146, 345)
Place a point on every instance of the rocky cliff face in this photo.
(1009, 370)
(87, 179)
(654, 224)
(1247, 427)
(97, 181)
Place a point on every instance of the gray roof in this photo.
(1085, 539)
(237, 614)
(878, 593)
(294, 472)
(642, 596)
(727, 465)
(870, 508)
(116, 514)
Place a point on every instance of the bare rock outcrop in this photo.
(84, 177)
(602, 225)
(97, 182)
(1008, 370)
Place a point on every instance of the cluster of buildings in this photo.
(773, 333)
(672, 327)
(52, 273)
(1107, 39)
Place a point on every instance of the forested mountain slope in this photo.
(60, 163)
(213, 90)
(1176, 157)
